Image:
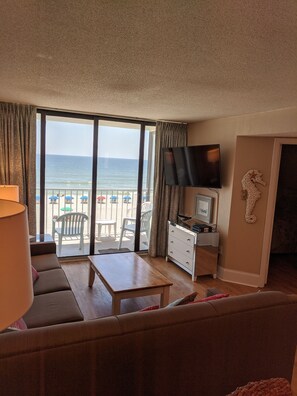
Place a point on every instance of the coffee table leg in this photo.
(116, 305)
(91, 276)
(164, 300)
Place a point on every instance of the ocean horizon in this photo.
(75, 172)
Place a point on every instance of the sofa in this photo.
(206, 348)
(54, 302)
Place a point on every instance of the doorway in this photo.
(283, 250)
(281, 217)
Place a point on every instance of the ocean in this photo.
(74, 172)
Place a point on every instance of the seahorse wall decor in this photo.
(251, 193)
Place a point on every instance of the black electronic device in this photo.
(201, 228)
(193, 166)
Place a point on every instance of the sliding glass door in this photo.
(68, 187)
(94, 183)
(147, 195)
(117, 181)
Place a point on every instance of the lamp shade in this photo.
(16, 289)
(9, 192)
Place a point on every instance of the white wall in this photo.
(281, 123)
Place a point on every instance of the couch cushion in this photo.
(53, 308)
(45, 262)
(51, 281)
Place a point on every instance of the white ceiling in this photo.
(156, 59)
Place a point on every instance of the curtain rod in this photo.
(174, 122)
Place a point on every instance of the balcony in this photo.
(112, 206)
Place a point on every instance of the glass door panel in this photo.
(37, 199)
(147, 187)
(68, 183)
(117, 186)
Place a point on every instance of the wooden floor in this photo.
(96, 302)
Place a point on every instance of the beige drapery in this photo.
(18, 153)
(167, 199)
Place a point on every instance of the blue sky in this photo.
(68, 138)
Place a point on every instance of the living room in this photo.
(224, 72)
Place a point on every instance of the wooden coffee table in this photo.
(126, 275)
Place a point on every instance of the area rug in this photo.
(110, 251)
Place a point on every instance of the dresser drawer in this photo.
(182, 259)
(184, 248)
(182, 235)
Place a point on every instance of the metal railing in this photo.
(110, 205)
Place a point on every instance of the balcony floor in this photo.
(70, 247)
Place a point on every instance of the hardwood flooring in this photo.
(95, 302)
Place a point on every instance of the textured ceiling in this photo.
(156, 59)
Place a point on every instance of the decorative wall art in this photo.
(204, 206)
(251, 193)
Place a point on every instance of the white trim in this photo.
(271, 201)
(242, 278)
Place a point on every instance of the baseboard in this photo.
(239, 277)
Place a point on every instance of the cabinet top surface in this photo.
(185, 229)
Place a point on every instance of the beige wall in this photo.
(243, 250)
(225, 131)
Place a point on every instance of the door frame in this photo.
(271, 202)
(96, 118)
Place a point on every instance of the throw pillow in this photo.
(210, 298)
(272, 386)
(183, 301)
(35, 274)
(18, 325)
(150, 308)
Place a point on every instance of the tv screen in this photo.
(195, 166)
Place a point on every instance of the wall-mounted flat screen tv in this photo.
(193, 166)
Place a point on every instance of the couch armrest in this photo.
(38, 248)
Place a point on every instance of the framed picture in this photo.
(204, 207)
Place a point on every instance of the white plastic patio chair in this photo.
(69, 225)
(129, 224)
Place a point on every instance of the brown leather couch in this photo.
(207, 348)
(54, 301)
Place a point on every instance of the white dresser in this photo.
(196, 253)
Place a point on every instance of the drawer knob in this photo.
(188, 239)
(171, 242)
(187, 262)
(171, 251)
(188, 251)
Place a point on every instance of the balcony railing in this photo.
(111, 205)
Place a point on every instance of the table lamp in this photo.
(16, 288)
(10, 192)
